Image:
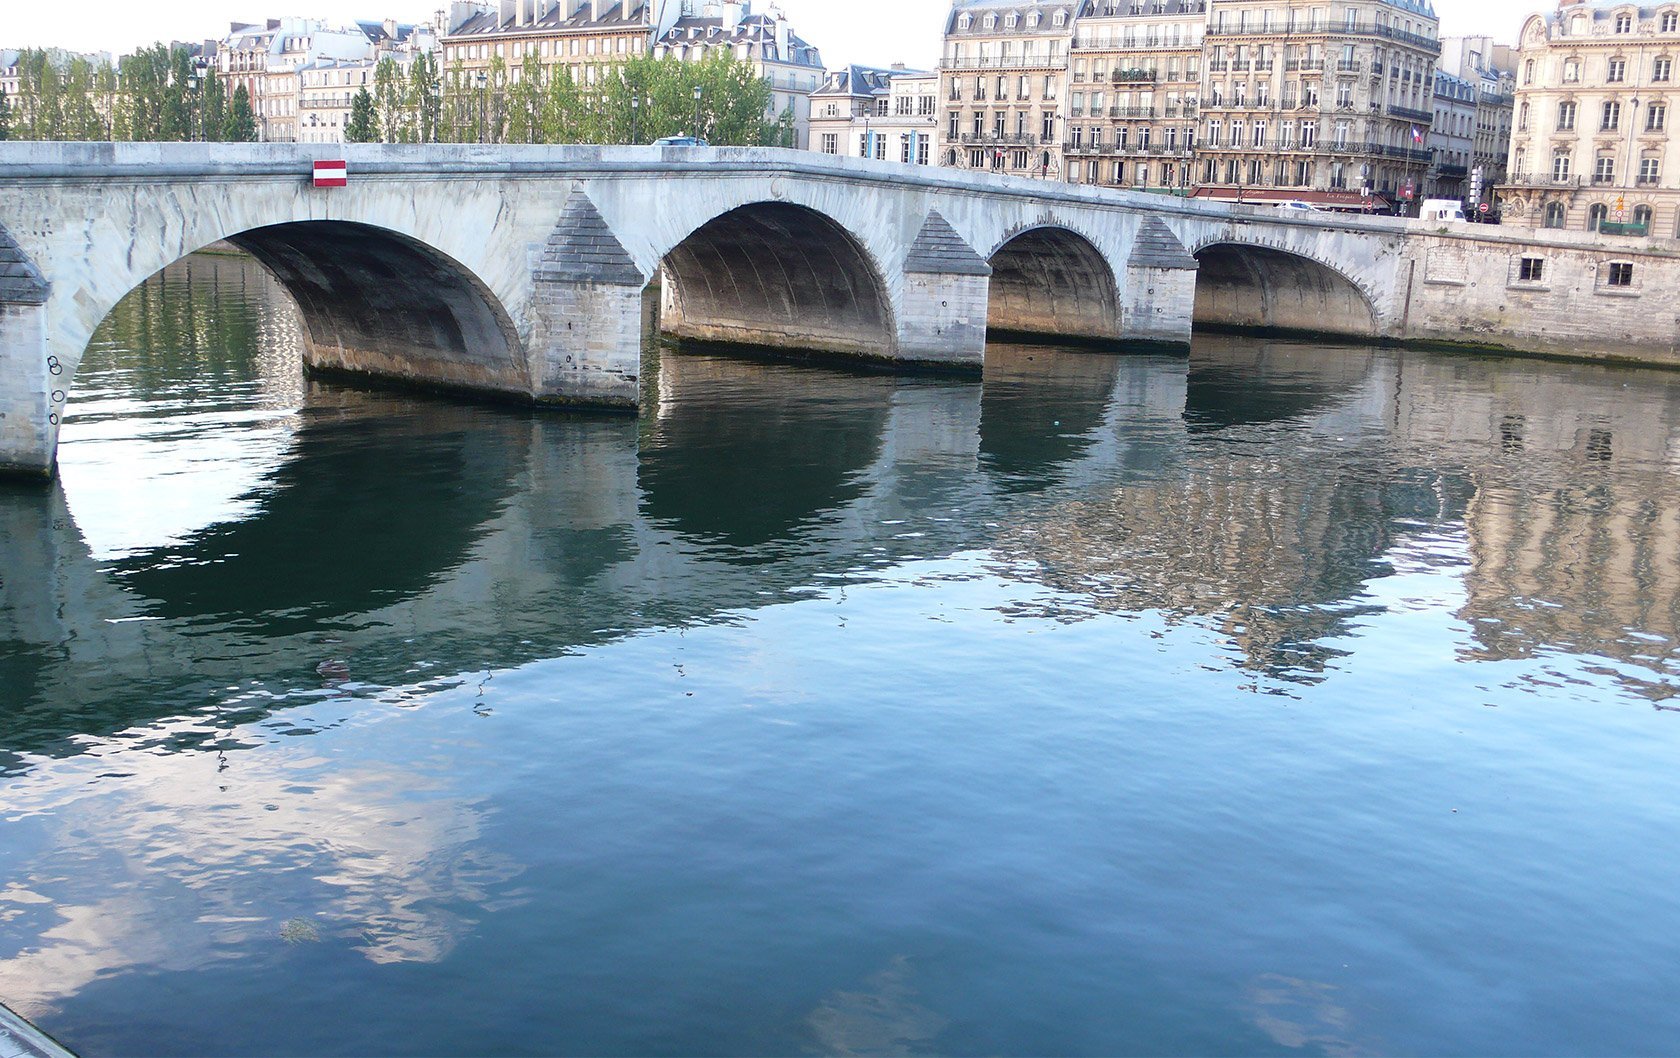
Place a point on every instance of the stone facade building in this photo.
(1491, 68)
(1591, 148)
(1329, 103)
(1134, 88)
(1452, 138)
(1002, 79)
(888, 115)
(266, 58)
(765, 40)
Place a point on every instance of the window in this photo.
(1560, 167)
(1669, 22)
(1642, 218)
(1555, 214)
(831, 143)
(1650, 169)
(1522, 118)
(1662, 70)
(1604, 171)
(1620, 274)
(1597, 215)
(1611, 118)
(1528, 72)
(1532, 269)
(1624, 23)
(1566, 116)
(1616, 71)
(1572, 71)
(1656, 118)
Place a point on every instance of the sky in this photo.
(870, 32)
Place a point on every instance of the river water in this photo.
(1280, 699)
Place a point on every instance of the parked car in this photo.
(1304, 207)
(680, 141)
(1441, 209)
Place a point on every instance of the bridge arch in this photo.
(374, 301)
(778, 274)
(1268, 288)
(1050, 280)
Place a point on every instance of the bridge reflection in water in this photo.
(380, 547)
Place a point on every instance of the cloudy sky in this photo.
(875, 32)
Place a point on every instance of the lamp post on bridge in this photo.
(635, 115)
(698, 93)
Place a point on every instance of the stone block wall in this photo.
(1561, 294)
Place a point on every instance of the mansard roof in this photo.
(490, 23)
(757, 29)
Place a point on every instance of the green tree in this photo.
(525, 103)
(5, 117)
(139, 109)
(241, 126)
(364, 119)
(425, 97)
(175, 120)
(390, 97)
(212, 107)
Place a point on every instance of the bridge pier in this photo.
(942, 320)
(586, 314)
(28, 373)
(1160, 283)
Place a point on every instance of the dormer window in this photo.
(991, 22)
(1624, 23)
(965, 22)
(1059, 19)
(1032, 20)
(1011, 20)
(1669, 22)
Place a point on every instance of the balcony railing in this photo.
(997, 139)
(1627, 228)
(1429, 44)
(1541, 180)
(1348, 65)
(1131, 112)
(1005, 62)
(1132, 76)
(1408, 114)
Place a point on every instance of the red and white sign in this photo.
(1485, 207)
(332, 174)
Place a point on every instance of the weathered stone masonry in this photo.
(520, 271)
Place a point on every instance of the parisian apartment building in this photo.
(884, 114)
(1333, 102)
(588, 36)
(1134, 91)
(1003, 76)
(1591, 149)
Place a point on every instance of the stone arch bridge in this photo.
(520, 271)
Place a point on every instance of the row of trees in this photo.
(155, 94)
(159, 94)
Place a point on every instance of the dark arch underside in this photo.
(1052, 282)
(778, 275)
(1259, 288)
(377, 303)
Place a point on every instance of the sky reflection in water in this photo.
(1282, 700)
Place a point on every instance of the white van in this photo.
(1440, 209)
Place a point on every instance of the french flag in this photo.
(332, 174)
(1417, 134)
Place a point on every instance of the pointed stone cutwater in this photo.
(1158, 247)
(939, 250)
(21, 283)
(583, 249)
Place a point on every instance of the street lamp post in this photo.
(698, 92)
(635, 116)
(483, 81)
(192, 108)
